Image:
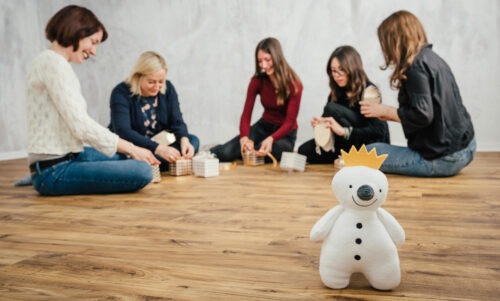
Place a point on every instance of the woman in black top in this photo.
(435, 122)
(348, 84)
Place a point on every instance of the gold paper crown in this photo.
(363, 157)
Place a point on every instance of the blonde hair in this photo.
(401, 36)
(149, 62)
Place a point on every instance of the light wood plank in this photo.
(241, 236)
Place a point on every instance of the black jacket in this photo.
(127, 119)
(432, 114)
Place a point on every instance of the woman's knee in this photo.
(307, 147)
(143, 173)
(380, 147)
(195, 142)
(226, 152)
(281, 146)
(331, 109)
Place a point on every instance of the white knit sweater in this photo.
(58, 122)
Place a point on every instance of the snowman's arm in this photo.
(392, 226)
(323, 226)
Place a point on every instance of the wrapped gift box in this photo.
(205, 166)
(293, 161)
(250, 158)
(156, 173)
(181, 167)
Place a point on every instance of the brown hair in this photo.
(351, 63)
(71, 24)
(284, 74)
(401, 36)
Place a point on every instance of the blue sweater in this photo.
(127, 119)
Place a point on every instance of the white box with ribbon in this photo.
(293, 161)
(205, 165)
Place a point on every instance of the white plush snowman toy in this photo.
(359, 236)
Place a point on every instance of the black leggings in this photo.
(344, 116)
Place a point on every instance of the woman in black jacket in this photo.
(435, 122)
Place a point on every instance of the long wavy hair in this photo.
(350, 62)
(401, 36)
(284, 74)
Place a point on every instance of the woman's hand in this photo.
(266, 146)
(187, 149)
(168, 153)
(246, 144)
(315, 120)
(336, 128)
(144, 154)
(379, 110)
(136, 152)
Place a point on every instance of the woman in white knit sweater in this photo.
(60, 130)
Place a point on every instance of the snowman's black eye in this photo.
(350, 186)
(380, 190)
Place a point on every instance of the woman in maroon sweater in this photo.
(280, 90)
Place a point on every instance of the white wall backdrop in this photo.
(209, 47)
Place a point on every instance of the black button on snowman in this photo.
(359, 236)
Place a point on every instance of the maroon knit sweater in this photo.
(284, 116)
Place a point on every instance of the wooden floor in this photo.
(241, 236)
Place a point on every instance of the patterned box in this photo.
(156, 173)
(181, 167)
(251, 159)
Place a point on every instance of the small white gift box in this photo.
(205, 165)
(293, 161)
(181, 167)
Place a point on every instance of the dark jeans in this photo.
(195, 142)
(231, 150)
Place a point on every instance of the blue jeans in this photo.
(404, 161)
(91, 172)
